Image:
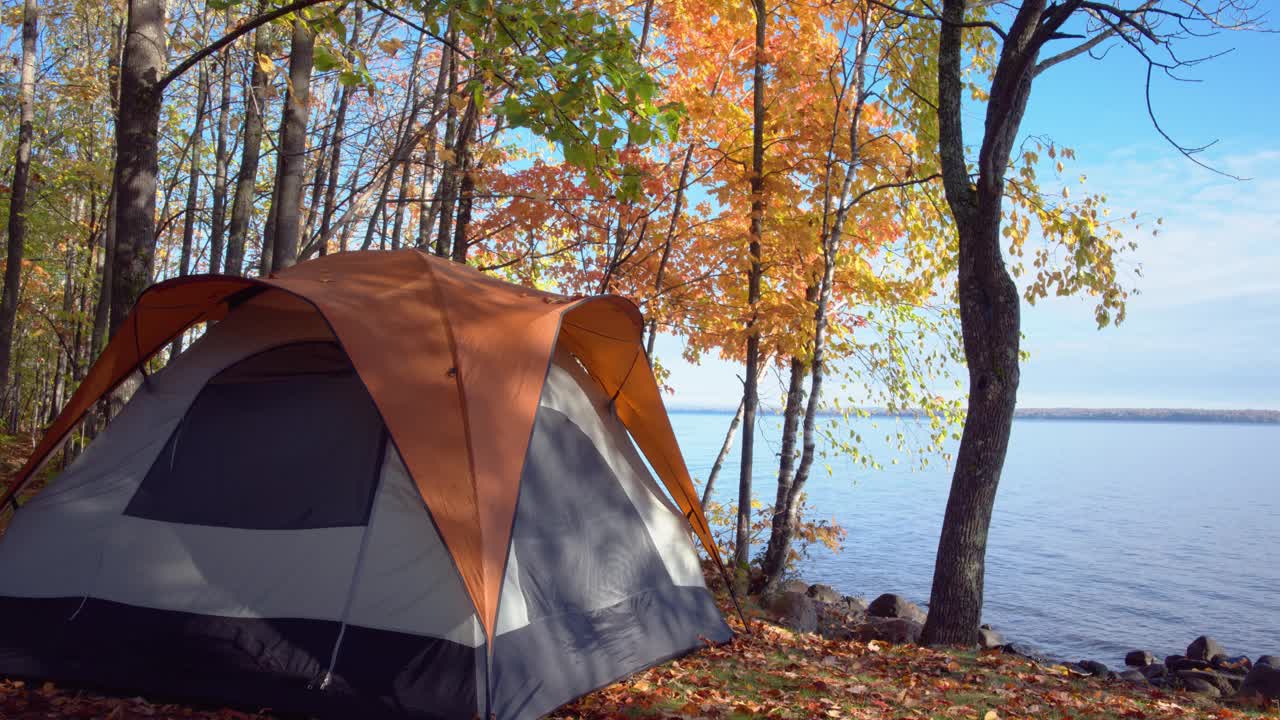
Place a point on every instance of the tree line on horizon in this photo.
(791, 186)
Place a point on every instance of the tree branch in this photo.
(1087, 45)
(240, 31)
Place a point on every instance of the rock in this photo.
(799, 586)
(989, 638)
(889, 605)
(1263, 681)
(824, 593)
(1224, 684)
(1132, 676)
(1139, 658)
(895, 631)
(1204, 648)
(1028, 652)
(1201, 687)
(1154, 671)
(1095, 668)
(855, 604)
(796, 610)
(1181, 662)
(1238, 664)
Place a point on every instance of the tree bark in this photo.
(335, 151)
(218, 213)
(750, 394)
(193, 190)
(427, 213)
(293, 148)
(247, 176)
(18, 194)
(725, 447)
(989, 306)
(786, 516)
(137, 162)
(444, 195)
(466, 181)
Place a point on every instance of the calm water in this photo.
(1107, 536)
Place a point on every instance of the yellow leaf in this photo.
(392, 46)
(991, 715)
(266, 64)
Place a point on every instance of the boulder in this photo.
(1182, 662)
(895, 631)
(1263, 681)
(989, 638)
(1155, 673)
(1205, 648)
(1223, 683)
(1139, 658)
(824, 593)
(1028, 652)
(1095, 668)
(1132, 676)
(1238, 664)
(793, 586)
(1201, 687)
(889, 605)
(855, 604)
(796, 610)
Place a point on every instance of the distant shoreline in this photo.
(1182, 415)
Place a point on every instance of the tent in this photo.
(380, 484)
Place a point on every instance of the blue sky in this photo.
(1205, 330)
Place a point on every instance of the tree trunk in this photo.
(427, 213)
(660, 276)
(750, 394)
(786, 514)
(137, 163)
(335, 151)
(247, 176)
(466, 181)
(293, 148)
(724, 454)
(65, 349)
(18, 194)
(774, 561)
(269, 227)
(444, 195)
(989, 309)
(218, 218)
(193, 190)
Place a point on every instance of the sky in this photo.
(1205, 329)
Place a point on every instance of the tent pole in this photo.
(733, 594)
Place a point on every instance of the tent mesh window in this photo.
(285, 439)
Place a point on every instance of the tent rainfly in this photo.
(381, 485)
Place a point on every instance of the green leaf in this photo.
(325, 59)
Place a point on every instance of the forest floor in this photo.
(768, 672)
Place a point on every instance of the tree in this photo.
(18, 194)
(255, 101)
(755, 273)
(293, 149)
(193, 188)
(218, 215)
(137, 163)
(989, 299)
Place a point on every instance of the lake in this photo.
(1108, 536)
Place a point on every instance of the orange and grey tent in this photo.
(380, 484)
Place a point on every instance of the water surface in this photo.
(1107, 536)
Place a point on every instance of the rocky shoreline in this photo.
(1206, 669)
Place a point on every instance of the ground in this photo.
(767, 672)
